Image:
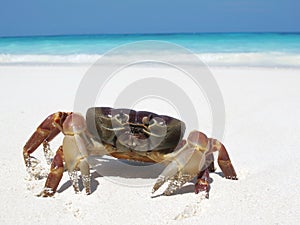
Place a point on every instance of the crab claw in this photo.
(185, 164)
(182, 169)
(195, 157)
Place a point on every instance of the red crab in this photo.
(127, 134)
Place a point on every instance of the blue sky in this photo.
(55, 17)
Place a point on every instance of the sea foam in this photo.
(261, 59)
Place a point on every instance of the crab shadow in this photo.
(109, 166)
(68, 184)
(112, 167)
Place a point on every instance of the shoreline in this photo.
(88, 65)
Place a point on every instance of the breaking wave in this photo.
(260, 59)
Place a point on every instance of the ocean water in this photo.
(226, 49)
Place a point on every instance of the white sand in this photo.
(262, 137)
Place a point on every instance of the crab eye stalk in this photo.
(146, 120)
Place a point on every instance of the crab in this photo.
(126, 134)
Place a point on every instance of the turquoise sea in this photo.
(215, 49)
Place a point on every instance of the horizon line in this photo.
(148, 34)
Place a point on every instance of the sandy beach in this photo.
(262, 136)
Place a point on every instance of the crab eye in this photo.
(122, 117)
(147, 120)
(158, 127)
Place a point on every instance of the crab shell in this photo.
(135, 134)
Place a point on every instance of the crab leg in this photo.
(202, 183)
(55, 175)
(45, 132)
(223, 159)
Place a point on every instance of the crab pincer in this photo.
(192, 159)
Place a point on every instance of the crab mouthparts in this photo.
(134, 140)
